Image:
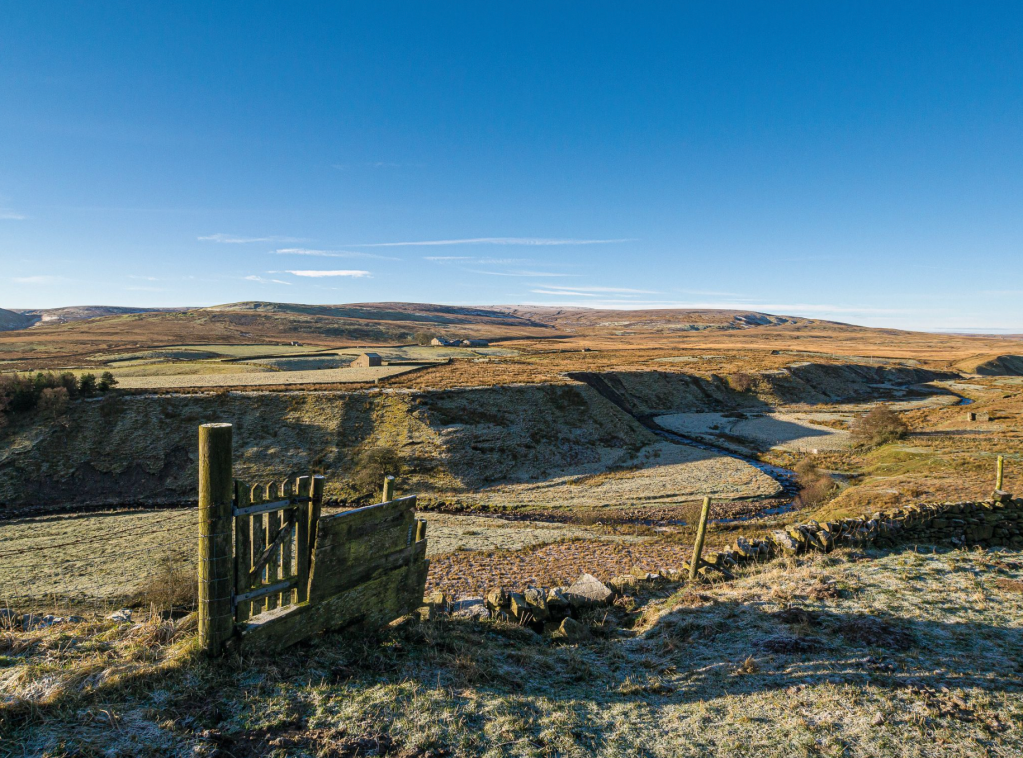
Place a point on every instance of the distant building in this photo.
(367, 360)
(441, 342)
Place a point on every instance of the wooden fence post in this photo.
(216, 487)
(388, 489)
(1000, 480)
(701, 532)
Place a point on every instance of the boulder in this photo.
(536, 599)
(785, 541)
(497, 599)
(122, 615)
(572, 631)
(470, 608)
(518, 606)
(588, 591)
(623, 583)
(557, 603)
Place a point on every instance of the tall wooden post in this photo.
(388, 489)
(701, 533)
(216, 486)
(1000, 480)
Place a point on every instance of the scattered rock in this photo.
(588, 591)
(557, 603)
(536, 599)
(30, 621)
(497, 599)
(122, 615)
(518, 607)
(572, 631)
(470, 608)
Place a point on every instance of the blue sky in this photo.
(854, 161)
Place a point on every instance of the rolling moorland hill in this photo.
(71, 337)
(12, 320)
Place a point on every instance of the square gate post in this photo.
(216, 561)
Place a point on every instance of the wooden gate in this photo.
(272, 546)
(273, 570)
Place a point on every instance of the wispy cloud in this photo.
(261, 280)
(534, 241)
(318, 274)
(483, 261)
(562, 292)
(40, 279)
(518, 273)
(710, 293)
(6, 214)
(329, 253)
(231, 239)
(566, 290)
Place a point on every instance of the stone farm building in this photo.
(441, 342)
(366, 360)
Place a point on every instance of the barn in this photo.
(366, 360)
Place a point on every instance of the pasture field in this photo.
(107, 559)
(244, 378)
(93, 558)
(766, 665)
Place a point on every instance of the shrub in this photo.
(371, 468)
(87, 385)
(741, 382)
(53, 402)
(878, 427)
(106, 381)
(21, 393)
(815, 486)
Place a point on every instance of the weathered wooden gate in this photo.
(273, 570)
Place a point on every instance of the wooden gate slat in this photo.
(242, 550)
(287, 550)
(271, 574)
(303, 490)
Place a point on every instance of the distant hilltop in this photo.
(22, 318)
(570, 319)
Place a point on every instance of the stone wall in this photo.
(998, 521)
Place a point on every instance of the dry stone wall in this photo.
(998, 521)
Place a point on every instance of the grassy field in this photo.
(818, 656)
(56, 562)
(246, 377)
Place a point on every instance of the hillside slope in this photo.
(13, 320)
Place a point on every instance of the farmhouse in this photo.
(366, 360)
